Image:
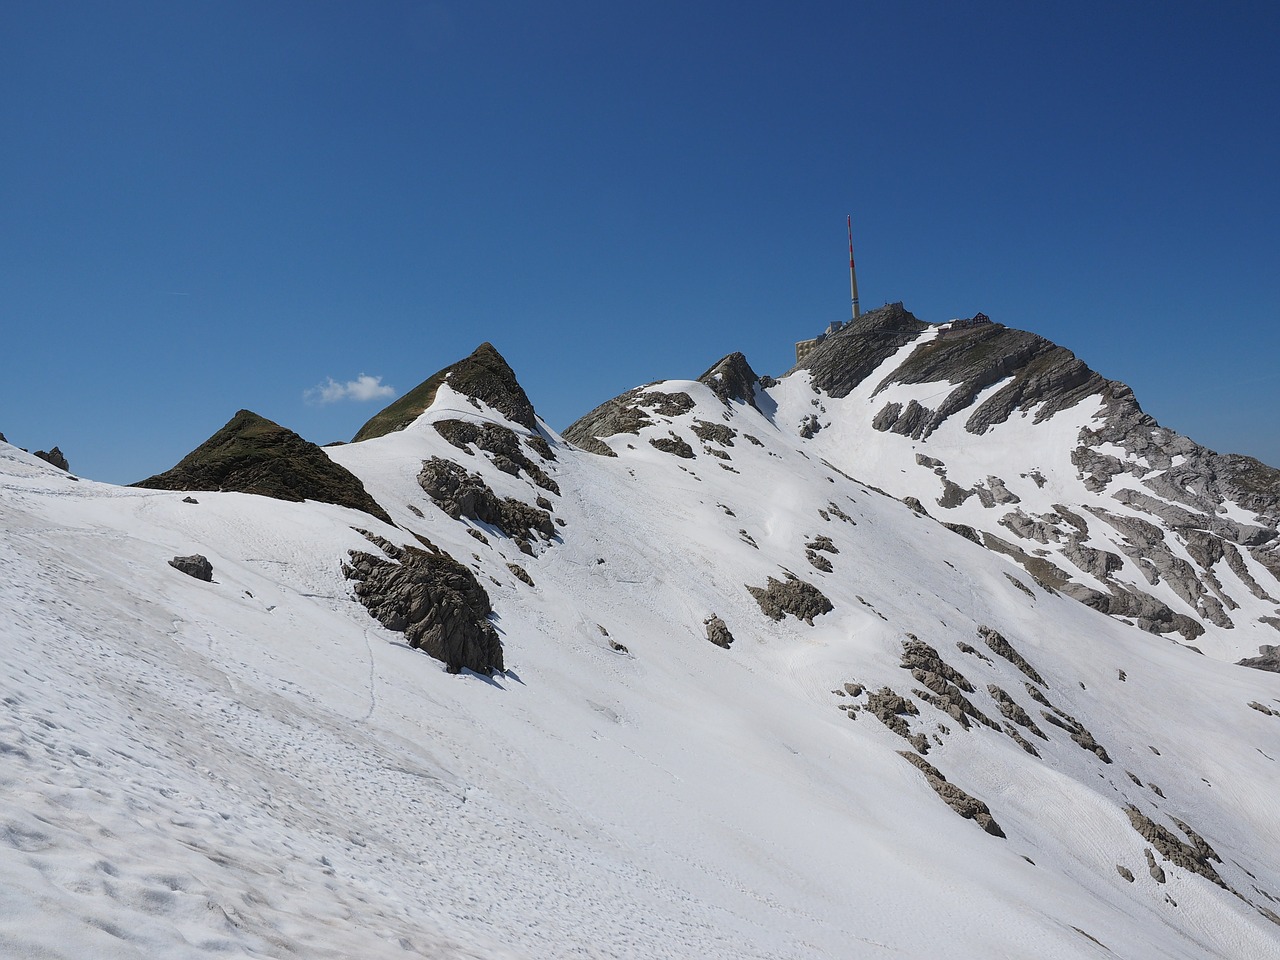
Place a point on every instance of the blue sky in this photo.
(209, 206)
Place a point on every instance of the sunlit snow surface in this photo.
(254, 767)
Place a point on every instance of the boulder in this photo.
(717, 632)
(194, 566)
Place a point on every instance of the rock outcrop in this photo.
(434, 600)
(1268, 658)
(792, 596)
(251, 454)
(54, 458)
(717, 632)
(732, 380)
(462, 494)
(629, 413)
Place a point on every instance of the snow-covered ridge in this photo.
(257, 766)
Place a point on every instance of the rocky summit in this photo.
(934, 645)
(251, 454)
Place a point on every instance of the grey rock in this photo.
(793, 596)
(943, 683)
(887, 417)
(823, 543)
(1076, 731)
(434, 600)
(953, 495)
(462, 494)
(819, 561)
(1013, 712)
(503, 445)
(1003, 648)
(732, 380)
(965, 531)
(1194, 856)
(889, 708)
(673, 445)
(967, 806)
(1125, 872)
(1268, 658)
(717, 632)
(628, 413)
(1046, 574)
(1157, 874)
(520, 573)
(845, 358)
(54, 458)
(196, 565)
(714, 433)
(916, 506)
(1000, 493)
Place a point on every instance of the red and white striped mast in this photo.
(853, 277)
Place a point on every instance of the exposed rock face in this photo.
(251, 454)
(845, 358)
(1268, 658)
(1002, 647)
(504, 447)
(971, 808)
(889, 708)
(195, 565)
(53, 457)
(802, 600)
(629, 413)
(483, 376)
(674, 446)
(436, 602)
(462, 494)
(1194, 856)
(732, 379)
(717, 632)
(714, 433)
(942, 682)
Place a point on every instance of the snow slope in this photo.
(255, 767)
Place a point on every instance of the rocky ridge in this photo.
(252, 454)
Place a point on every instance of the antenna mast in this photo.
(853, 277)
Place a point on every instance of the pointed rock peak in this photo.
(484, 376)
(843, 359)
(732, 379)
(252, 454)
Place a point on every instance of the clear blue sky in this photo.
(213, 205)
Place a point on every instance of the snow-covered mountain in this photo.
(927, 648)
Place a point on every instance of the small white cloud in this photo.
(362, 388)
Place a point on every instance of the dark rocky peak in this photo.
(732, 379)
(252, 454)
(847, 357)
(483, 376)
